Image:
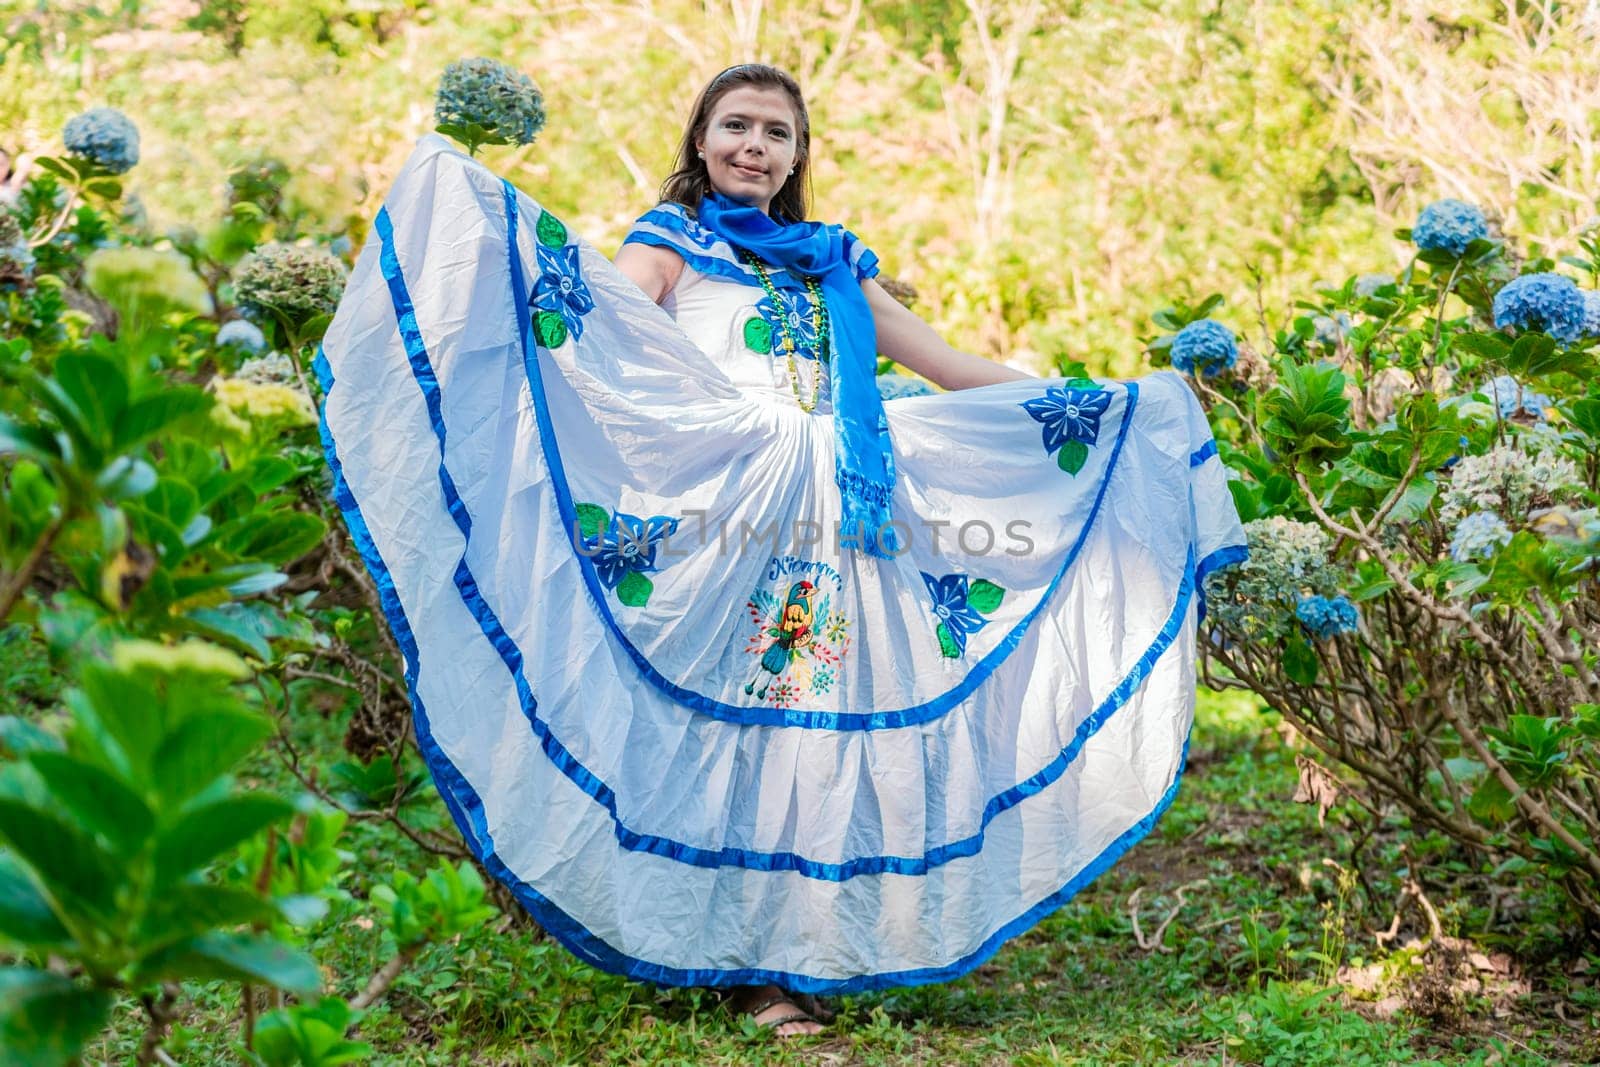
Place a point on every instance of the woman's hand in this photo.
(910, 342)
(652, 268)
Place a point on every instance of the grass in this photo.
(1244, 972)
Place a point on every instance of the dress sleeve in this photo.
(863, 261)
(669, 225)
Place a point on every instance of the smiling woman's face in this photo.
(750, 144)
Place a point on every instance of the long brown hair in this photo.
(690, 182)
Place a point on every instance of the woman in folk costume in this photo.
(736, 674)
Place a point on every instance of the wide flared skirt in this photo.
(703, 740)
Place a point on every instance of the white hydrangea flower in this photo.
(1507, 480)
(1288, 560)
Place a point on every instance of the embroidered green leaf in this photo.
(1072, 456)
(984, 596)
(634, 590)
(947, 644)
(758, 335)
(550, 230)
(551, 330)
(592, 518)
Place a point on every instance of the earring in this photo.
(702, 155)
(791, 170)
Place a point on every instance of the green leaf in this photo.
(276, 537)
(19, 736)
(1530, 355)
(235, 958)
(758, 335)
(100, 801)
(45, 1019)
(155, 414)
(1491, 347)
(203, 748)
(26, 917)
(97, 386)
(209, 830)
(1299, 661)
(550, 329)
(947, 644)
(33, 442)
(592, 519)
(1072, 457)
(1491, 802)
(983, 596)
(634, 590)
(185, 911)
(1586, 416)
(551, 233)
(72, 866)
(309, 1034)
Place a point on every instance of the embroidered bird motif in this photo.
(790, 633)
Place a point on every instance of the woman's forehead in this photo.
(768, 104)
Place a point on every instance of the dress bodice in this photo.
(750, 328)
(741, 329)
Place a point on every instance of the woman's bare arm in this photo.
(652, 268)
(909, 341)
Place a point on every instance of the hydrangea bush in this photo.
(165, 545)
(1419, 488)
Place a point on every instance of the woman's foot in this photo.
(771, 1007)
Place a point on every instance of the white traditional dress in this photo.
(702, 742)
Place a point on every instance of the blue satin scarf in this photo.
(864, 459)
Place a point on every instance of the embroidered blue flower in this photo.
(957, 617)
(1549, 302)
(1449, 226)
(1478, 536)
(1068, 414)
(105, 137)
(627, 546)
(1326, 617)
(560, 288)
(791, 316)
(1205, 347)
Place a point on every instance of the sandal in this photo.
(815, 1007)
(764, 999)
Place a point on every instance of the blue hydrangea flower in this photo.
(628, 544)
(1478, 536)
(241, 333)
(1549, 302)
(1369, 284)
(1330, 329)
(1325, 617)
(560, 287)
(892, 386)
(485, 92)
(1511, 396)
(1591, 313)
(1206, 347)
(793, 311)
(105, 137)
(1068, 414)
(1449, 226)
(951, 608)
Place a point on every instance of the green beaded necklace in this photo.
(819, 320)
